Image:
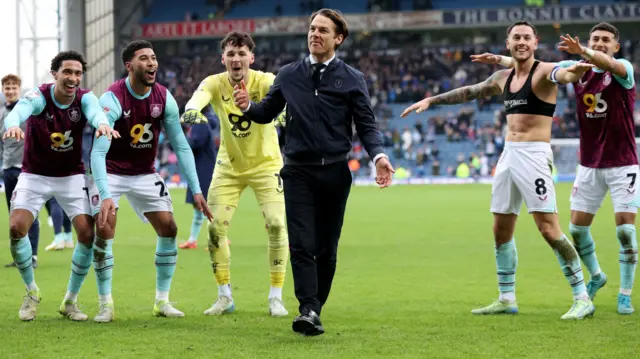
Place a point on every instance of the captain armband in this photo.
(554, 72)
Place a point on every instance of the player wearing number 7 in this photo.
(524, 168)
(140, 108)
(608, 157)
(52, 167)
(249, 155)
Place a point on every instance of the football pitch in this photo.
(412, 263)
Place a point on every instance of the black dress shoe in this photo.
(308, 324)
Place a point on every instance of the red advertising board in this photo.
(193, 29)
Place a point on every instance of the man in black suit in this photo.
(324, 96)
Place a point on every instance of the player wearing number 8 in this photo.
(605, 99)
(249, 155)
(139, 107)
(524, 170)
(52, 167)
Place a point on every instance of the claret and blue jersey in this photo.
(53, 140)
(605, 106)
(139, 120)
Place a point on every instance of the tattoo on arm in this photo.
(489, 87)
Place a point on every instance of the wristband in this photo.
(505, 61)
(553, 74)
(588, 53)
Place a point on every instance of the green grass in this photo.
(413, 261)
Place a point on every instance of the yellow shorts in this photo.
(227, 185)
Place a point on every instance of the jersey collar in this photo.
(135, 94)
(59, 105)
(247, 83)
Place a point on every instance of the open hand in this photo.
(14, 132)
(486, 58)
(580, 68)
(384, 172)
(193, 117)
(107, 208)
(106, 130)
(570, 45)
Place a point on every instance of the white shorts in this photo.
(524, 173)
(71, 192)
(145, 193)
(591, 185)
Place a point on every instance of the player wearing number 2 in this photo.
(524, 168)
(608, 158)
(139, 107)
(249, 156)
(52, 166)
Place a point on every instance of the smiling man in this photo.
(608, 157)
(249, 156)
(11, 154)
(324, 98)
(605, 98)
(139, 108)
(52, 167)
(524, 168)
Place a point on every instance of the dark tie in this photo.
(317, 68)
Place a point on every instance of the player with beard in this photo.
(525, 166)
(249, 156)
(605, 99)
(139, 108)
(52, 167)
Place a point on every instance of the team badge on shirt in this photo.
(74, 114)
(156, 110)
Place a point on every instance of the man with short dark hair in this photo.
(524, 170)
(139, 108)
(608, 155)
(605, 99)
(249, 156)
(11, 153)
(324, 97)
(52, 167)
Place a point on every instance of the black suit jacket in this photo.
(319, 120)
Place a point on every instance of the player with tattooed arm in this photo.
(524, 169)
(605, 98)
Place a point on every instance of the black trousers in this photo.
(315, 200)
(10, 178)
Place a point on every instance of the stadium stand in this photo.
(165, 10)
(399, 70)
(432, 145)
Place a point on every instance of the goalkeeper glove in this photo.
(193, 117)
